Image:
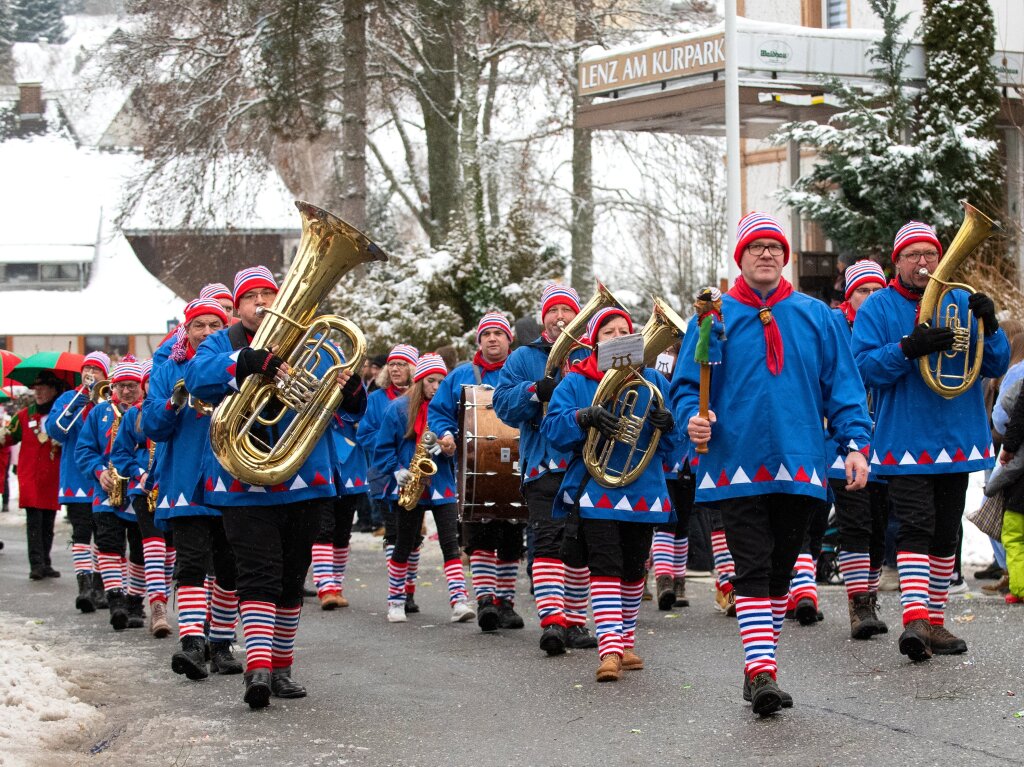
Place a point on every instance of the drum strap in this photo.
(476, 375)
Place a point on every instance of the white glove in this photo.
(435, 449)
(404, 477)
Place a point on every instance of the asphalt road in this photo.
(432, 693)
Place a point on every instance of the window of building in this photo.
(818, 274)
(35, 275)
(836, 14)
(21, 273)
(115, 346)
(59, 272)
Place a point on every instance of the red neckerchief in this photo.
(546, 337)
(421, 420)
(393, 392)
(487, 367)
(189, 351)
(588, 367)
(848, 311)
(742, 292)
(908, 293)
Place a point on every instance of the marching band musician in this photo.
(609, 530)
(401, 431)
(219, 292)
(270, 529)
(784, 368)
(75, 488)
(183, 432)
(925, 445)
(392, 382)
(495, 546)
(114, 524)
(523, 390)
(38, 472)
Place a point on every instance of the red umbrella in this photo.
(66, 365)
(8, 360)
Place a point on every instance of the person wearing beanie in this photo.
(115, 525)
(38, 472)
(494, 547)
(520, 398)
(181, 428)
(784, 369)
(405, 423)
(76, 487)
(271, 529)
(925, 445)
(220, 293)
(609, 530)
(394, 380)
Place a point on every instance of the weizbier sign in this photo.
(663, 62)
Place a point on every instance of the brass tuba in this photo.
(420, 466)
(328, 250)
(950, 383)
(619, 392)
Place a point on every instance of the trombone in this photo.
(92, 391)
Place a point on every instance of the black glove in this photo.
(985, 310)
(925, 340)
(662, 419)
(354, 395)
(596, 417)
(259, 361)
(545, 387)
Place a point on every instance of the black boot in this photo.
(916, 640)
(765, 695)
(806, 612)
(36, 573)
(222, 661)
(189, 660)
(410, 605)
(578, 638)
(552, 640)
(487, 615)
(84, 601)
(283, 686)
(508, 618)
(99, 595)
(257, 688)
(118, 609)
(136, 614)
(785, 697)
(666, 590)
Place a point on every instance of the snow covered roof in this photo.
(47, 254)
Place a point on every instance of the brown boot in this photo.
(679, 585)
(158, 625)
(1002, 586)
(915, 641)
(631, 661)
(864, 622)
(647, 597)
(342, 602)
(329, 600)
(666, 592)
(610, 669)
(946, 643)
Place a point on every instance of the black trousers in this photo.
(497, 535)
(336, 523)
(273, 548)
(112, 532)
(39, 531)
(199, 540)
(547, 533)
(929, 508)
(765, 534)
(83, 526)
(611, 549)
(816, 527)
(389, 520)
(863, 516)
(410, 522)
(681, 491)
(147, 521)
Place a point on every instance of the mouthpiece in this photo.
(924, 272)
(561, 324)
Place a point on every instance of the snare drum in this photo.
(489, 461)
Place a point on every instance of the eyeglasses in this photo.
(930, 256)
(252, 295)
(758, 250)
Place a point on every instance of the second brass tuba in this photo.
(329, 249)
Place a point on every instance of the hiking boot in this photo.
(340, 599)
(257, 688)
(158, 625)
(552, 639)
(1002, 586)
(945, 643)
(610, 669)
(136, 613)
(508, 618)
(631, 661)
(487, 616)
(118, 609)
(679, 586)
(283, 686)
(765, 695)
(84, 601)
(785, 697)
(222, 661)
(410, 605)
(190, 660)
(864, 623)
(578, 638)
(99, 595)
(666, 592)
(991, 573)
(883, 626)
(330, 600)
(806, 612)
(915, 641)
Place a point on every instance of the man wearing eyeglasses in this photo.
(925, 444)
(784, 368)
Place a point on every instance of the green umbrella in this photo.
(65, 365)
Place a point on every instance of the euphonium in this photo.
(619, 392)
(100, 392)
(975, 229)
(568, 341)
(329, 249)
(420, 466)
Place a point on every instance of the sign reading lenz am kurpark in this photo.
(664, 62)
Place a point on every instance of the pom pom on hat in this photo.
(427, 364)
(494, 320)
(98, 359)
(915, 231)
(404, 353)
(862, 272)
(216, 290)
(252, 278)
(755, 226)
(555, 294)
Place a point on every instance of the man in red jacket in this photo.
(38, 473)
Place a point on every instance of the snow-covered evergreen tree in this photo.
(7, 31)
(39, 20)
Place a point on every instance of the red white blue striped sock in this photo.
(286, 626)
(803, 584)
(549, 590)
(456, 581)
(136, 579)
(663, 553)
(779, 607)
(111, 568)
(95, 558)
(224, 614)
(606, 595)
(914, 572)
(81, 554)
(340, 564)
(939, 576)
(414, 569)
(323, 569)
(191, 611)
(856, 569)
(154, 554)
(632, 596)
(483, 567)
(724, 565)
(680, 556)
(508, 572)
(577, 590)
(396, 581)
(208, 584)
(873, 579)
(170, 559)
(258, 620)
(754, 615)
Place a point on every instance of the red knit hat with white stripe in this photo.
(915, 231)
(251, 279)
(602, 316)
(427, 364)
(404, 353)
(216, 291)
(99, 360)
(147, 368)
(494, 320)
(861, 273)
(201, 306)
(128, 369)
(755, 226)
(555, 294)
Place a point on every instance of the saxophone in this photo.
(119, 494)
(154, 494)
(421, 466)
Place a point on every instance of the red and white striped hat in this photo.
(128, 369)
(862, 272)
(201, 306)
(252, 278)
(756, 225)
(603, 315)
(147, 368)
(494, 320)
(404, 353)
(555, 294)
(915, 231)
(429, 363)
(97, 359)
(216, 290)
